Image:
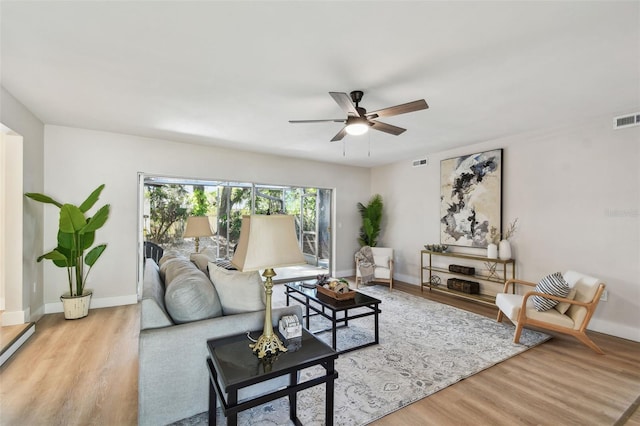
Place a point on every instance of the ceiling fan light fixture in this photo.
(357, 126)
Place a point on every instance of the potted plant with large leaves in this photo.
(371, 221)
(76, 235)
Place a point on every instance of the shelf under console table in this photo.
(491, 281)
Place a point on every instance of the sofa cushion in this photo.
(189, 294)
(553, 284)
(239, 291)
(203, 258)
(153, 313)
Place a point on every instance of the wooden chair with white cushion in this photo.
(570, 315)
(383, 266)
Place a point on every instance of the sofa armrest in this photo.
(153, 313)
(173, 381)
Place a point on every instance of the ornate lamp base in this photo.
(269, 343)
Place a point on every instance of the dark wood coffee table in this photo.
(329, 308)
(233, 366)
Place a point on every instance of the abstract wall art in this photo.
(470, 198)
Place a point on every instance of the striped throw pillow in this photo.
(553, 284)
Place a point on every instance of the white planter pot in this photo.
(76, 307)
(492, 251)
(505, 250)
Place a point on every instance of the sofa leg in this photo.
(499, 319)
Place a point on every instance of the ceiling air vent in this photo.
(625, 121)
(421, 162)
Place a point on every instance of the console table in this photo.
(233, 366)
(491, 284)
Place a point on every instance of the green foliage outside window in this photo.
(199, 202)
(168, 212)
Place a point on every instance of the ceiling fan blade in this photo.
(387, 128)
(330, 120)
(341, 134)
(399, 109)
(345, 103)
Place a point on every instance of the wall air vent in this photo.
(625, 121)
(421, 162)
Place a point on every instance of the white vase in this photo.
(492, 251)
(505, 250)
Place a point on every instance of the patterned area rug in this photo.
(424, 347)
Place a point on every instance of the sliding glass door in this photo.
(166, 203)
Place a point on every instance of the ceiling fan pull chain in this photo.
(343, 151)
(369, 153)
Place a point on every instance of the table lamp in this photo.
(197, 226)
(267, 242)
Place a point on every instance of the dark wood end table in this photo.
(233, 366)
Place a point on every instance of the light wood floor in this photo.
(84, 372)
(8, 333)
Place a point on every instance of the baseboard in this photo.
(37, 314)
(409, 279)
(615, 329)
(103, 302)
(346, 273)
(14, 317)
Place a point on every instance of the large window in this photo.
(168, 202)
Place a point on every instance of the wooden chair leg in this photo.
(516, 336)
(500, 316)
(587, 341)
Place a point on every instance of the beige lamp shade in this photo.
(197, 226)
(267, 241)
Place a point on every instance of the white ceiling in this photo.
(232, 74)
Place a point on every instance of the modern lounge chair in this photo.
(570, 316)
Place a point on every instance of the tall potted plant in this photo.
(76, 235)
(371, 219)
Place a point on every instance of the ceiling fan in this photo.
(359, 121)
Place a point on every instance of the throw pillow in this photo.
(172, 268)
(189, 294)
(226, 264)
(203, 258)
(554, 285)
(563, 307)
(239, 291)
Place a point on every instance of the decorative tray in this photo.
(332, 294)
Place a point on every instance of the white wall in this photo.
(20, 120)
(77, 161)
(576, 192)
(11, 301)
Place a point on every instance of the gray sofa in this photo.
(173, 381)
